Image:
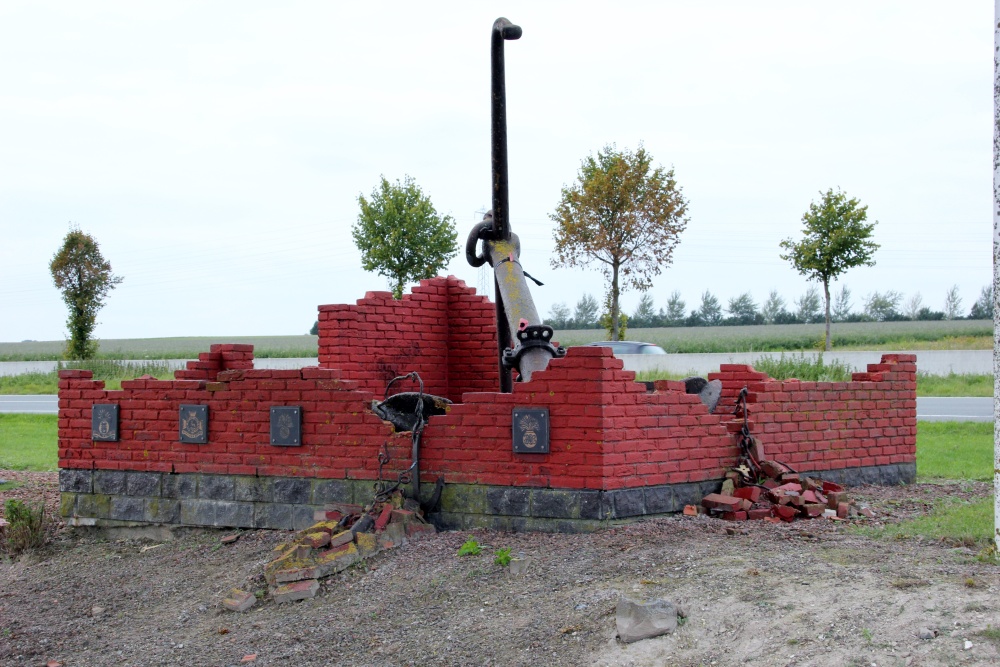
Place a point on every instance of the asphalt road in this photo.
(929, 409)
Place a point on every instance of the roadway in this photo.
(928, 409)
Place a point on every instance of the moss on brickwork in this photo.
(67, 503)
(468, 498)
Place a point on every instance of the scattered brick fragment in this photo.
(721, 502)
(690, 510)
(300, 590)
(238, 600)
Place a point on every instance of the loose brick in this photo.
(300, 590)
(238, 600)
(719, 501)
(751, 493)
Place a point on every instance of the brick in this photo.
(719, 501)
(238, 600)
(383, 517)
(300, 590)
(734, 516)
(418, 530)
(316, 540)
(751, 493)
(813, 509)
(784, 513)
(842, 510)
(757, 514)
(690, 510)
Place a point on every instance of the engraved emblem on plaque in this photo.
(531, 430)
(286, 426)
(194, 424)
(104, 422)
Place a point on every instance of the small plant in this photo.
(867, 634)
(502, 557)
(470, 548)
(25, 526)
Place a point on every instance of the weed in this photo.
(991, 634)
(470, 547)
(25, 526)
(502, 556)
(803, 368)
(970, 583)
(867, 634)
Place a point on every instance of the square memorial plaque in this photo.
(194, 424)
(104, 422)
(531, 430)
(286, 426)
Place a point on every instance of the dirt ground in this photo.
(808, 593)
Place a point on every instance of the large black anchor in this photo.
(502, 249)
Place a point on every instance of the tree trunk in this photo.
(996, 274)
(826, 294)
(614, 301)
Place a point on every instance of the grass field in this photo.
(28, 442)
(955, 334)
(164, 348)
(949, 335)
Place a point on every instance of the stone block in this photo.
(464, 498)
(126, 508)
(233, 514)
(628, 503)
(659, 500)
(332, 491)
(93, 505)
(273, 515)
(253, 489)
(239, 601)
(594, 505)
(293, 491)
(508, 501)
(146, 484)
(555, 503)
(870, 475)
(162, 510)
(302, 516)
(216, 487)
(688, 494)
(300, 590)
(110, 482)
(76, 481)
(181, 486)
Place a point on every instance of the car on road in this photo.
(628, 347)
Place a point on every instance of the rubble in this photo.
(343, 535)
(784, 496)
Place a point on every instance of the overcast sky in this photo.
(217, 150)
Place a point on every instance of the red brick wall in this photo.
(607, 431)
(815, 426)
(442, 329)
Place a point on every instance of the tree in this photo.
(314, 331)
(952, 304)
(913, 306)
(842, 305)
(710, 312)
(401, 236)
(559, 316)
(807, 307)
(674, 314)
(774, 306)
(585, 315)
(982, 309)
(644, 315)
(835, 238)
(84, 277)
(883, 307)
(623, 214)
(743, 310)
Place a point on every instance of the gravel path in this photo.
(809, 593)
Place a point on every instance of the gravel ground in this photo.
(809, 593)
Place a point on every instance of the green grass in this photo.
(954, 521)
(28, 442)
(955, 334)
(954, 385)
(164, 348)
(112, 372)
(955, 450)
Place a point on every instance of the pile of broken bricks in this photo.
(343, 535)
(780, 495)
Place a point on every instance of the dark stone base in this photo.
(115, 498)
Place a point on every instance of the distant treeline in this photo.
(743, 310)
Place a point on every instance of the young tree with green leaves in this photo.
(585, 315)
(842, 305)
(644, 315)
(559, 316)
(401, 236)
(952, 304)
(807, 306)
(623, 214)
(836, 238)
(84, 277)
(674, 314)
(774, 306)
(710, 311)
(742, 310)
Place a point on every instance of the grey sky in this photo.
(217, 150)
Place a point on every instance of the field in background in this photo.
(950, 335)
(165, 348)
(876, 336)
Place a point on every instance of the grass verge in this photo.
(29, 442)
(954, 385)
(955, 450)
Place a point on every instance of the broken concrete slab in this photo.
(641, 620)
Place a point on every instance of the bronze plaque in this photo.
(194, 424)
(286, 426)
(104, 422)
(531, 430)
